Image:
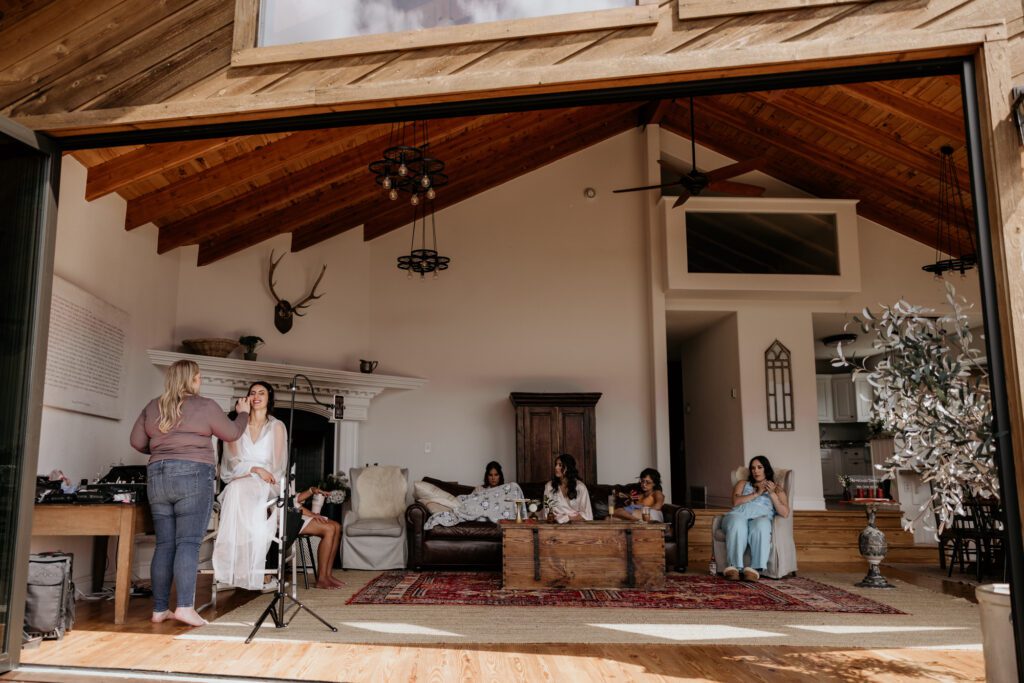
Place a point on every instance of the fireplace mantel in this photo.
(225, 379)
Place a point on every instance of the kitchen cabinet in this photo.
(837, 398)
(830, 485)
(865, 394)
(855, 461)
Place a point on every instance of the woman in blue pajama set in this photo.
(756, 500)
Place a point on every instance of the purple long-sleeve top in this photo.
(201, 418)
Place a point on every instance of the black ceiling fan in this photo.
(694, 181)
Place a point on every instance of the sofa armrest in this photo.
(415, 516)
(682, 520)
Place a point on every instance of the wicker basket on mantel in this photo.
(219, 348)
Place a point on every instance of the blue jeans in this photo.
(181, 499)
(742, 532)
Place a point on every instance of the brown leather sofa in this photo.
(477, 545)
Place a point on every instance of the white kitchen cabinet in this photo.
(824, 386)
(855, 461)
(865, 397)
(837, 398)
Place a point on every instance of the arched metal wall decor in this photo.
(778, 383)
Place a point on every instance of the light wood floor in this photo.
(142, 646)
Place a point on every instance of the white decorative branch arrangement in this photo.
(932, 394)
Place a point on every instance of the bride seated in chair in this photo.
(252, 468)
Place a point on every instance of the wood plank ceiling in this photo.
(877, 142)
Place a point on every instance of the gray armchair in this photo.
(782, 558)
(373, 530)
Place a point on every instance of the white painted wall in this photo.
(546, 293)
(95, 253)
(712, 387)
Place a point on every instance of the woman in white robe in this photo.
(565, 496)
(252, 468)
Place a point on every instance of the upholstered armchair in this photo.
(782, 558)
(373, 531)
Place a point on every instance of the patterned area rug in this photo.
(681, 592)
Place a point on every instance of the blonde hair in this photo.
(177, 386)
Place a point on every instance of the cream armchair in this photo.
(373, 530)
(782, 558)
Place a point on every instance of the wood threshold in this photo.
(576, 22)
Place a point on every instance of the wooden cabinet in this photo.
(550, 424)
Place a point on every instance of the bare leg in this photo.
(623, 513)
(328, 534)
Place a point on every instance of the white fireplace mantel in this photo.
(226, 379)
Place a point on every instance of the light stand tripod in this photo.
(278, 607)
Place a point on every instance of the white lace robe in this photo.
(564, 507)
(248, 522)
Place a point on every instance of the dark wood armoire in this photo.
(550, 424)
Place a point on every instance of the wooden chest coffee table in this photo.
(603, 554)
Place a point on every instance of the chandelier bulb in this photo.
(408, 274)
(386, 183)
(393, 194)
(403, 170)
(431, 194)
(414, 200)
(436, 275)
(425, 181)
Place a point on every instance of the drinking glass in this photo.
(645, 514)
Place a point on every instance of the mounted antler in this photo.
(283, 310)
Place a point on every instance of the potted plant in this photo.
(251, 343)
(932, 396)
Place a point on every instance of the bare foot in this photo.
(327, 586)
(188, 615)
(335, 581)
(161, 616)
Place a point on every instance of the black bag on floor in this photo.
(50, 599)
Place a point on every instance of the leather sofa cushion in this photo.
(452, 487)
(482, 531)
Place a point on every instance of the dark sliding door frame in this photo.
(963, 68)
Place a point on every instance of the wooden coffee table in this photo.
(603, 554)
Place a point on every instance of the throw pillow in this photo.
(433, 498)
(380, 492)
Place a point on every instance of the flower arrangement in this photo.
(336, 487)
(844, 481)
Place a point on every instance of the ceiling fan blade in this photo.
(733, 187)
(647, 187)
(682, 199)
(739, 168)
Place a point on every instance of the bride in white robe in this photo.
(252, 467)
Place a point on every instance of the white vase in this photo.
(318, 503)
(997, 632)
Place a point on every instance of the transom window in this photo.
(285, 22)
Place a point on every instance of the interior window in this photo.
(284, 22)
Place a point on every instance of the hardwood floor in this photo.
(142, 646)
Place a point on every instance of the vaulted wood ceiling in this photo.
(877, 142)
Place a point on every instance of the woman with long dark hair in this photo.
(565, 496)
(493, 476)
(756, 501)
(649, 496)
(175, 430)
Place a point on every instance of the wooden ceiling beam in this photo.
(471, 153)
(925, 114)
(870, 137)
(773, 137)
(144, 162)
(654, 112)
(340, 169)
(357, 192)
(525, 162)
(244, 169)
(806, 175)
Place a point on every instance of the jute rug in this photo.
(920, 618)
(680, 592)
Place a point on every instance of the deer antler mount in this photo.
(284, 310)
